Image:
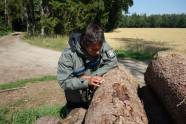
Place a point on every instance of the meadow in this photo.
(148, 39)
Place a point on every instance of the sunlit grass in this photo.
(56, 43)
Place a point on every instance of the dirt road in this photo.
(20, 60)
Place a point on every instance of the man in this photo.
(81, 66)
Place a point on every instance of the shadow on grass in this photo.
(139, 49)
(154, 109)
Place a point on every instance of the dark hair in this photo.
(93, 34)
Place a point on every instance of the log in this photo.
(76, 116)
(166, 75)
(116, 101)
(48, 120)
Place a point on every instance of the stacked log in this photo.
(166, 75)
(116, 101)
(48, 120)
(76, 116)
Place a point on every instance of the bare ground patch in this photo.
(33, 95)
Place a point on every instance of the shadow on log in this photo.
(154, 109)
(166, 74)
(116, 101)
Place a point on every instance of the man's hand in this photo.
(94, 80)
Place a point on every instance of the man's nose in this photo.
(97, 52)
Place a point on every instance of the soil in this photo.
(33, 95)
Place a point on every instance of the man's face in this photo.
(94, 49)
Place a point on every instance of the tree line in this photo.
(48, 17)
(153, 21)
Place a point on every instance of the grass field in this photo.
(136, 43)
(148, 39)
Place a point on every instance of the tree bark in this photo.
(7, 22)
(166, 74)
(31, 17)
(48, 120)
(76, 116)
(116, 101)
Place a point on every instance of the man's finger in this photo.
(99, 78)
(95, 84)
(96, 80)
(102, 81)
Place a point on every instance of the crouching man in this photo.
(82, 64)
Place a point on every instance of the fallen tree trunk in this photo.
(166, 74)
(76, 116)
(116, 101)
(48, 120)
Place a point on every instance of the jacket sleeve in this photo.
(64, 74)
(109, 61)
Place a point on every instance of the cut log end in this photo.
(166, 75)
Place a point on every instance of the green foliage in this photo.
(115, 9)
(76, 15)
(21, 83)
(62, 16)
(165, 20)
(48, 23)
(3, 29)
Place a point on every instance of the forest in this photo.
(49, 17)
(153, 21)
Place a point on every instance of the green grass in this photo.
(21, 83)
(134, 54)
(29, 116)
(5, 116)
(56, 43)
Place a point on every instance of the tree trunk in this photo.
(166, 74)
(116, 101)
(6, 14)
(48, 120)
(31, 17)
(42, 26)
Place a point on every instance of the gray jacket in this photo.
(72, 60)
